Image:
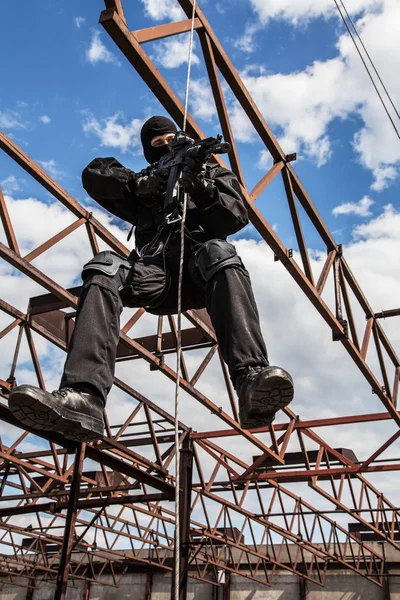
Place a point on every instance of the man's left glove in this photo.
(193, 178)
(151, 184)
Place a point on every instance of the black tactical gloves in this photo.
(150, 184)
(193, 179)
(153, 183)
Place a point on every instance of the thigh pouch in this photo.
(141, 281)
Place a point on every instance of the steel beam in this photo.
(186, 474)
(142, 63)
(63, 569)
(29, 476)
(163, 31)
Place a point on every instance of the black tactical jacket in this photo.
(223, 214)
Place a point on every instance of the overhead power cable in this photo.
(370, 60)
(365, 64)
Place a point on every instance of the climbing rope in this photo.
(177, 538)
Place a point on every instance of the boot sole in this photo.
(44, 414)
(273, 395)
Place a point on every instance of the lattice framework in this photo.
(127, 500)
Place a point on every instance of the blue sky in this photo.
(54, 72)
(68, 95)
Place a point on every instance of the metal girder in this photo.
(65, 558)
(238, 516)
(142, 63)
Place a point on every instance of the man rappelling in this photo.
(213, 277)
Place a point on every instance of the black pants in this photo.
(228, 297)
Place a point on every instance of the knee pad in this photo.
(110, 264)
(214, 256)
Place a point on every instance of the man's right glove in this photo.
(151, 184)
(193, 178)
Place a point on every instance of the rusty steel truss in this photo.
(236, 515)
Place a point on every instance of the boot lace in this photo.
(63, 391)
(250, 372)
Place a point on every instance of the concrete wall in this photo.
(344, 585)
(339, 585)
(394, 585)
(197, 590)
(13, 592)
(286, 587)
(133, 586)
(45, 591)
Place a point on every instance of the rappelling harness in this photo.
(181, 147)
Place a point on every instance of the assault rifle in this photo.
(183, 146)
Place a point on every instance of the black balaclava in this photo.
(153, 127)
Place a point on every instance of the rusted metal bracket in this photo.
(336, 337)
(160, 365)
(288, 158)
(289, 254)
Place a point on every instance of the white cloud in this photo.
(360, 208)
(246, 41)
(64, 261)
(112, 133)
(303, 11)
(97, 52)
(201, 100)
(240, 123)
(382, 227)
(174, 52)
(383, 177)
(265, 161)
(159, 11)
(10, 184)
(301, 343)
(79, 21)
(11, 119)
(301, 106)
(297, 338)
(45, 119)
(254, 69)
(320, 151)
(51, 167)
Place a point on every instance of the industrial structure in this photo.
(238, 517)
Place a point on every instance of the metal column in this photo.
(63, 571)
(186, 472)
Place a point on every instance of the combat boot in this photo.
(262, 391)
(76, 414)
